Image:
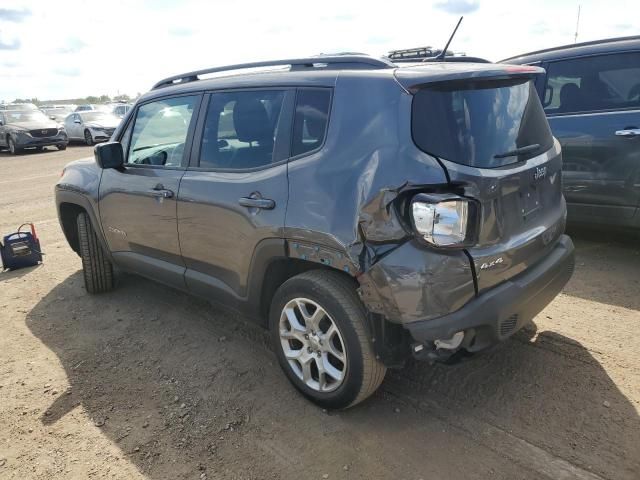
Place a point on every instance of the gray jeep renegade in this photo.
(366, 212)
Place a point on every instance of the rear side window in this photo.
(484, 124)
(240, 129)
(310, 122)
(607, 82)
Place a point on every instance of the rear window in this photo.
(484, 124)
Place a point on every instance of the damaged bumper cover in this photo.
(501, 311)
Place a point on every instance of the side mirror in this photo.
(77, 121)
(109, 155)
(52, 117)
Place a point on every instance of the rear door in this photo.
(593, 107)
(493, 139)
(138, 202)
(233, 197)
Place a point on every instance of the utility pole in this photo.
(575, 38)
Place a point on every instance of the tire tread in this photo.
(96, 267)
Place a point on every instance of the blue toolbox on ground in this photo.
(20, 249)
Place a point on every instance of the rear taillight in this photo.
(444, 220)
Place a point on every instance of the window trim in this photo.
(282, 144)
(326, 132)
(548, 63)
(132, 117)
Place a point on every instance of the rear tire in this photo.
(309, 355)
(97, 269)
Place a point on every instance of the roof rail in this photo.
(359, 61)
(574, 45)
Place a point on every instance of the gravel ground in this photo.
(146, 382)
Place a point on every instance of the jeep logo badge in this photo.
(540, 173)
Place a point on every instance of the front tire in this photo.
(97, 269)
(321, 338)
(12, 147)
(88, 138)
(62, 147)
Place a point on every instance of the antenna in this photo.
(444, 51)
(575, 38)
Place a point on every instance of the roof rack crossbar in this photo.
(362, 60)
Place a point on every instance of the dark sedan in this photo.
(30, 129)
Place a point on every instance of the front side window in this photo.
(240, 129)
(310, 122)
(606, 82)
(160, 132)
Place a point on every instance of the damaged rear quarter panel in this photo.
(341, 197)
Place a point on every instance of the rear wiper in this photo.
(519, 151)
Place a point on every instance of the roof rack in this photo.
(358, 61)
(408, 54)
(574, 45)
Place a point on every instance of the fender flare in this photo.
(79, 199)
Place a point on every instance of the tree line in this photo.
(90, 99)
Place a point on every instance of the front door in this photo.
(593, 107)
(234, 196)
(138, 202)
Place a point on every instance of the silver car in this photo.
(92, 127)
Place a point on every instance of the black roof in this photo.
(318, 71)
(578, 49)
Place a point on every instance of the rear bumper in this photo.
(498, 313)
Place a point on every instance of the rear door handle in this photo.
(628, 132)
(160, 191)
(257, 202)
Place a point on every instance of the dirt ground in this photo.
(146, 382)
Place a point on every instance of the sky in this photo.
(74, 48)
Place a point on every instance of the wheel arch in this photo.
(70, 204)
(273, 264)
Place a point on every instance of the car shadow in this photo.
(7, 275)
(183, 388)
(607, 268)
(541, 387)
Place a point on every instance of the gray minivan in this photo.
(365, 212)
(591, 95)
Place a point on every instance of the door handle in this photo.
(160, 191)
(628, 132)
(257, 202)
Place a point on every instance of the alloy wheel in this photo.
(312, 345)
(88, 138)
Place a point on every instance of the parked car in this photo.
(20, 129)
(362, 211)
(591, 95)
(57, 113)
(18, 106)
(91, 126)
(121, 109)
(88, 107)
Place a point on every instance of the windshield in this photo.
(26, 117)
(99, 117)
(484, 124)
(22, 106)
